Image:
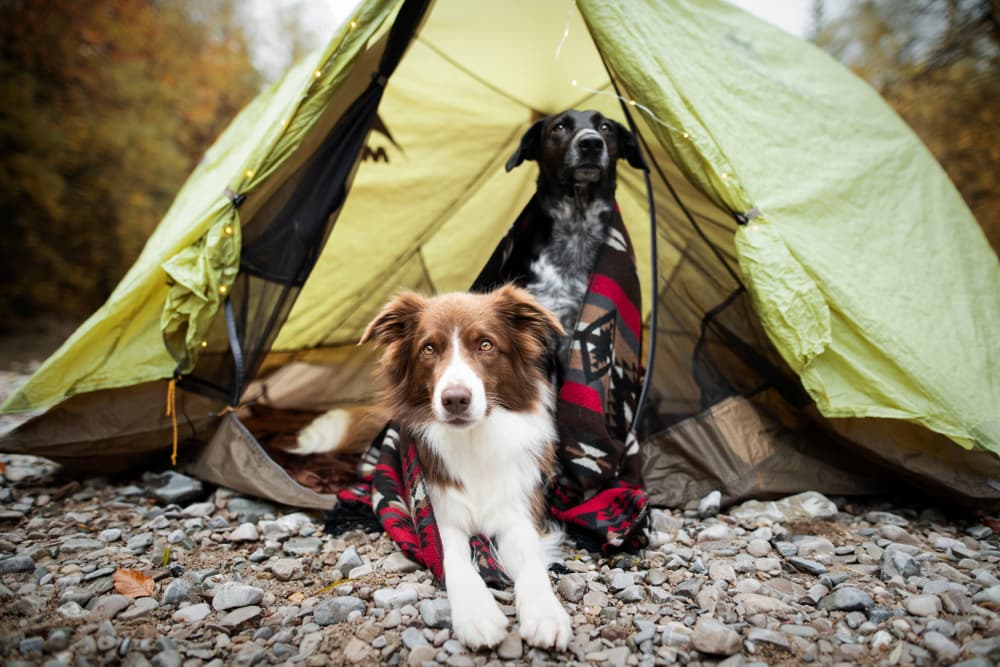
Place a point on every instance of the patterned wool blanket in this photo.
(597, 489)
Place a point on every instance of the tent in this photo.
(826, 305)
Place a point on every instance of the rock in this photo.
(171, 487)
(711, 636)
(139, 543)
(768, 637)
(286, 569)
(140, 607)
(238, 617)
(923, 605)
(357, 651)
(754, 603)
(397, 562)
(436, 613)
(895, 533)
(110, 535)
(664, 522)
(943, 648)
(758, 548)
(231, 595)
(710, 504)
(77, 544)
(421, 654)
(846, 598)
(632, 594)
(109, 606)
(337, 610)
(808, 566)
(349, 560)
(302, 546)
(802, 506)
(245, 532)
(676, 634)
(988, 597)
(895, 563)
(361, 571)
(391, 598)
(511, 648)
(16, 564)
(413, 637)
(571, 587)
(716, 532)
(886, 517)
(192, 613)
(246, 509)
(177, 591)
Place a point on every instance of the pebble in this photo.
(846, 598)
(109, 606)
(245, 532)
(171, 487)
(192, 613)
(923, 605)
(709, 505)
(711, 636)
(337, 610)
(238, 617)
(16, 564)
(231, 595)
(287, 569)
(436, 613)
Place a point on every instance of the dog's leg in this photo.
(475, 616)
(543, 620)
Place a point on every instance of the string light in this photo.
(354, 24)
(223, 289)
(318, 73)
(249, 173)
(228, 230)
(204, 343)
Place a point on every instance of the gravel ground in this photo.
(232, 580)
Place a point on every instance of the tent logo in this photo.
(379, 153)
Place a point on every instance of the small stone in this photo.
(621, 580)
(711, 636)
(72, 611)
(238, 617)
(676, 634)
(895, 563)
(436, 613)
(988, 597)
(245, 532)
(349, 560)
(571, 587)
(511, 648)
(286, 569)
(16, 564)
(110, 535)
(356, 650)
(397, 562)
(768, 637)
(177, 591)
(808, 566)
(898, 534)
(802, 506)
(390, 598)
(719, 531)
(109, 606)
(847, 598)
(302, 546)
(632, 594)
(140, 607)
(754, 603)
(710, 505)
(139, 543)
(413, 637)
(77, 544)
(247, 509)
(337, 610)
(941, 646)
(231, 595)
(30, 645)
(979, 532)
(361, 571)
(923, 605)
(192, 613)
(421, 654)
(202, 510)
(171, 487)
(758, 548)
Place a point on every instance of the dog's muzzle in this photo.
(587, 156)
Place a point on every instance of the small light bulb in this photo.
(632, 102)
(227, 230)
(573, 82)
(284, 122)
(204, 343)
(317, 74)
(223, 289)
(354, 24)
(249, 173)
(686, 135)
(725, 176)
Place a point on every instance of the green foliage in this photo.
(937, 62)
(108, 105)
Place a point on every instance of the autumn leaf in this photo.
(132, 583)
(3, 468)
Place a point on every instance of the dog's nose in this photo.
(591, 145)
(456, 399)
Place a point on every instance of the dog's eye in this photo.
(428, 350)
(604, 127)
(485, 345)
(560, 127)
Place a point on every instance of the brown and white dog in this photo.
(465, 373)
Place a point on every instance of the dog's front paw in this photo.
(478, 623)
(544, 622)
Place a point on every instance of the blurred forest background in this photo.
(109, 104)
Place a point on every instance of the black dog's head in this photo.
(577, 150)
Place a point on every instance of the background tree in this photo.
(107, 107)
(937, 62)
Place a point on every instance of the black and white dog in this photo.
(577, 153)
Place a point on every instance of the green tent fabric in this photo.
(796, 214)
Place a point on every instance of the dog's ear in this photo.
(628, 147)
(530, 147)
(396, 320)
(525, 314)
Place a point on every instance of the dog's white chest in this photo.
(498, 466)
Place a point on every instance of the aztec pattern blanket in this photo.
(597, 490)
